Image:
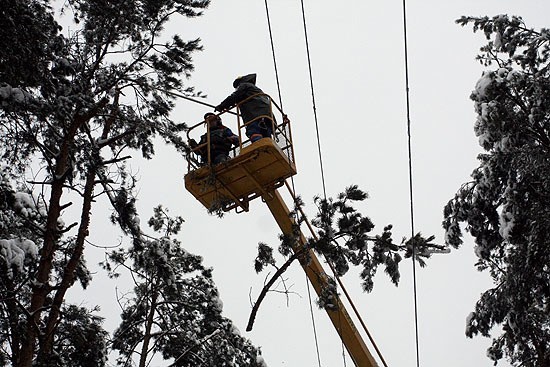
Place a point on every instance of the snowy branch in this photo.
(198, 343)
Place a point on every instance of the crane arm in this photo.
(340, 318)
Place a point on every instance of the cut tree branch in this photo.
(268, 285)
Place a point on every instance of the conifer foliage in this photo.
(74, 104)
(344, 238)
(174, 310)
(506, 205)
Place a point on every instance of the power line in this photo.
(409, 144)
(292, 178)
(317, 132)
(313, 101)
(313, 322)
(273, 52)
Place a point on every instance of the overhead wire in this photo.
(313, 321)
(319, 150)
(322, 168)
(314, 105)
(292, 178)
(273, 53)
(313, 101)
(409, 147)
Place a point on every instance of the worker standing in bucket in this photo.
(255, 111)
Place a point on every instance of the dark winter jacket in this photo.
(254, 107)
(221, 141)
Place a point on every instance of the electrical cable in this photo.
(322, 170)
(292, 178)
(313, 321)
(275, 64)
(410, 179)
(273, 52)
(316, 124)
(313, 101)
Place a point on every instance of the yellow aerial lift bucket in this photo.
(258, 168)
(252, 170)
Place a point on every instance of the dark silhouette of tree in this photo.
(174, 310)
(73, 105)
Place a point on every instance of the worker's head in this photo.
(250, 78)
(212, 119)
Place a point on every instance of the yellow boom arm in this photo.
(340, 318)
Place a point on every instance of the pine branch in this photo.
(268, 285)
(198, 343)
(115, 160)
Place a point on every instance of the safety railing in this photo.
(200, 140)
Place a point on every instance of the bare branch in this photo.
(116, 160)
(65, 206)
(268, 285)
(69, 227)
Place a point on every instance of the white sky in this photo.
(358, 71)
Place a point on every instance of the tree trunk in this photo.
(42, 287)
(148, 327)
(69, 272)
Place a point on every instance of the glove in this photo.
(193, 143)
(218, 108)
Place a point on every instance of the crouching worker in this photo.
(222, 140)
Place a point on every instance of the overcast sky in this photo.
(358, 73)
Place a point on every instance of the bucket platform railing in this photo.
(252, 168)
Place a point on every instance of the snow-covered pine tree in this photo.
(506, 205)
(174, 310)
(72, 104)
(79, 339)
